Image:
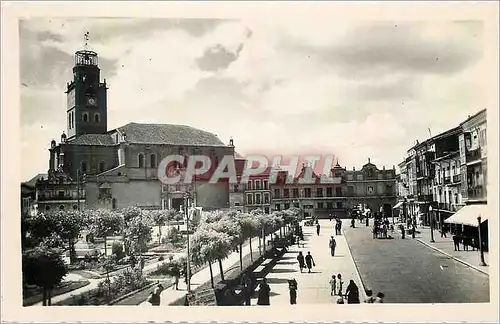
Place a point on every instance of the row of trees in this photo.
(219, 233)
(46, 236)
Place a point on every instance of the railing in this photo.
(424, 197)
(65, 197)
(475, 192)
(473, 155)
(456, 178)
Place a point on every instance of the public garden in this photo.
(147, 247)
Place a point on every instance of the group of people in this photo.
(466, 241)
(381, 228)
(351, 292)
(305, 261)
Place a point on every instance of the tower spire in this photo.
(86, 38)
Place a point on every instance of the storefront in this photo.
(471, 221)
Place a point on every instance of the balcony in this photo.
(473, 155)
(456, 178)
(424, 198)
(447, 180)
(65, 197)
(476, 192)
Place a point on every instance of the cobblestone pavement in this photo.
(409, 272)
(313, 288)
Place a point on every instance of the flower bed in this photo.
(33, 296)
(123, 283)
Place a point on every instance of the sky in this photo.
(356, 90)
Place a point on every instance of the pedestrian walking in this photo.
(264, 290)
(443, 232)
(352, 293)
(333, 245)
(246, 283)
(292, 286)
(367, 220)
(175, 282)
(370, 299)
(353, 222)
(380, 298)
(333, 285)
(330, 217)
(301, 260)
(309, 261)
(456, 242)
(155, 299)
(340, 283)
(318, 227)
(402, 228)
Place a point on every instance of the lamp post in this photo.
(188, 267)
(432, 224)
(481, 263)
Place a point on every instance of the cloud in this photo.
(355, 90)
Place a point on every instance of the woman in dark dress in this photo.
(264, 291)
(292, 286)
(352, 293)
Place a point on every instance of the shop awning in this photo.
(468, 215)
(397, 205)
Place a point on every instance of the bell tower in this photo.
(86, 96)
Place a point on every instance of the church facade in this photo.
(92, 167)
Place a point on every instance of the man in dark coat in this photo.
(292, 286)
(309, 261)
(456, 242)
(264, 290)
(318, 227)
(333, 245)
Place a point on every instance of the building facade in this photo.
(370, 186)
(258, 193)
(118, 168)
(473, 159)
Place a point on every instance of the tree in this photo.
(226, 222)
(104, 223)
(263, 221)
(159, 218)
(209, 245)
(44, 267)
(139, 233)
(66, 224)
(248, 224)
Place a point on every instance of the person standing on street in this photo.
(352, 293)
(341, 283)
(370, 299)
(333, 245)
(443, 231)
(380, 298)
(155, 298)
(264, 290)
(330, 217)
(300, 258)
(353, 222)
(292, 286)
(318, 227)
(456, 242)
(333, 285)
(309, 261)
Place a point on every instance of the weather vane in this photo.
(86, 38)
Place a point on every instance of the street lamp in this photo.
(482, 263)
(188, 267)
(432, 224)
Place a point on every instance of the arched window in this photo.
(84, 166)
(85, 117)
(97, 117)
(152, 160)
(102, 167)
(140, 160)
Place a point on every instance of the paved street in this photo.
(409, 272)
(313, 288)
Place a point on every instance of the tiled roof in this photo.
(93, 139)
(168, 134)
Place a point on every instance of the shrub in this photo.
(117, 250)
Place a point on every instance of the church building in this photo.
(93, 167)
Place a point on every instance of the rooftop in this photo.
(168, 134)
(93, 139)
